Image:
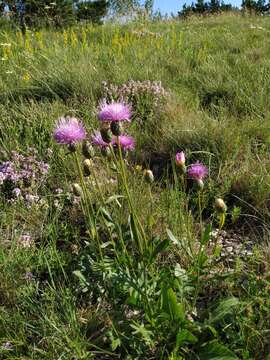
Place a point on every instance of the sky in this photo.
(173, 6)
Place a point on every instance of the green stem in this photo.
(141, 234)
(87, 206)
(198, 266)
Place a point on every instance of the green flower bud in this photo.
(220, 206)
(88, 150)
(105, 151)
(87, 167)
(72, 148)
(77, 190)
(106, 135)
(116, 128)
(149, 177)
(200, 184)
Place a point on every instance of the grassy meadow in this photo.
(124, 267)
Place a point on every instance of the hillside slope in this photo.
(136, 260)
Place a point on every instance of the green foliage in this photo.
(203, 7)
(123, 6)
(93, 11)
(215, 6)
(259, 6)
(57, 13)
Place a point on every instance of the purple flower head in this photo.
(98, 141)
(115, 111)
(197, 171)
(69, 131)
(180, 159)
(126, 142)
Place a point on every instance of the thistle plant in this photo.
(221, 211)
(114, 111)
(70, 131)
(110, 114)
(198, 173)
(88, 150)
(180, 161)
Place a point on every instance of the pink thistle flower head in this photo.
(197, 171)
(180, 159)
(69, 131)
(126, 142)
(114, 111)
(97, 140)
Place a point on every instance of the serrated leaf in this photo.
(180, 273)
(115, 344)
(176, 309)
(216, 351)
(185, 337)
(226, 307)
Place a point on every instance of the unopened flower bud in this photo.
(87, 166)
(200, 184)
(88, 150)
(106, 135)
(77, 190)
(116, 128)
(220, 206)
(72, 148)
(180, 159)
(149, 177)
(106, 152)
